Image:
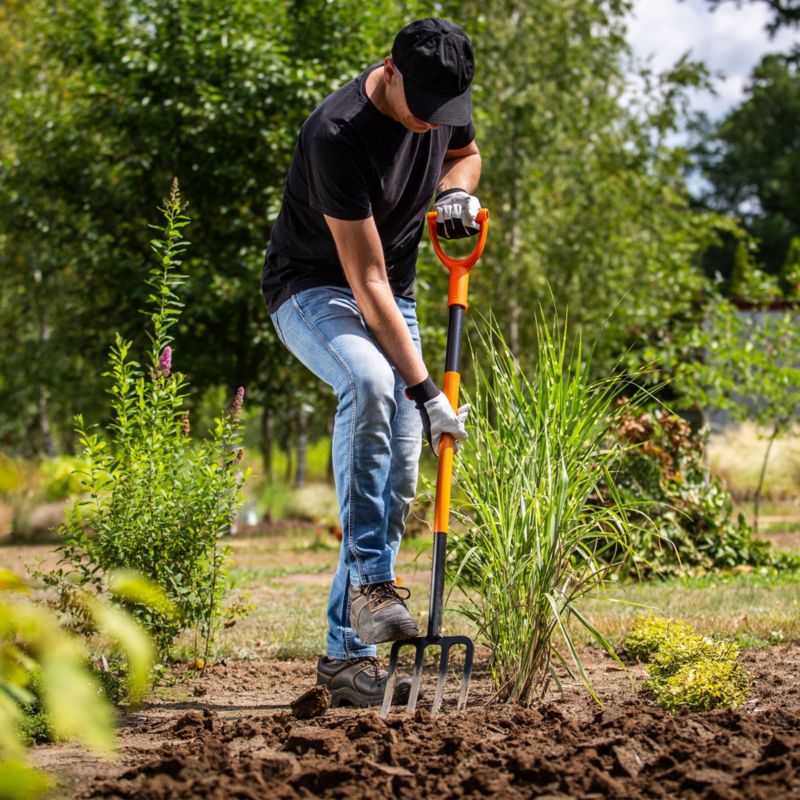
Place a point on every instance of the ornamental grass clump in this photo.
(156, 501)
(534, 539)
(687, 672)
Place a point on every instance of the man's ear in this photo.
(389, 69)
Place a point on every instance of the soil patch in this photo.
(239, 739)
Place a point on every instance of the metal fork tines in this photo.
(445, 643)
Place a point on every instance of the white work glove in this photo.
(456, 210)
(437, 414)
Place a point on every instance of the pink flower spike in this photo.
(237, 403)
(165, 362)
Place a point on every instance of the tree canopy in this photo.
(751, 158)
(107, 100)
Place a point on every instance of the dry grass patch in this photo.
(737, 454)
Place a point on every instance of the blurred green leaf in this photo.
(18, 781)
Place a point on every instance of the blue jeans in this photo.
(377, 438)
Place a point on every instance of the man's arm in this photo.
(361, 254)
(461, 169)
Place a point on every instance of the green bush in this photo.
(61, 477)
(687, 521)
(157, 502)
(687, 672)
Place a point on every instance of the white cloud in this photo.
(730, 40)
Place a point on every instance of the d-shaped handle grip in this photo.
(468, 261)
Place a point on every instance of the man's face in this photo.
(397, 99)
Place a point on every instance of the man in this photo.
(339, 285)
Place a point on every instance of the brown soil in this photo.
(238, 738)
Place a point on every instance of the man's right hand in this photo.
(437, 414)
(457, 213)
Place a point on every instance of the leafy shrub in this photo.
(687, 672)
(531, 544)
(61, 477)
(661, 469)
(702, 685)
(157, 503)
(34, 726)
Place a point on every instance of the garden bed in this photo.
(230, 734)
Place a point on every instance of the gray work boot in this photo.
(358, 682)
(378, 613)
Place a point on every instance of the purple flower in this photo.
(165, 362)
(236, 409)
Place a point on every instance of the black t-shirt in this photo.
(352, 162)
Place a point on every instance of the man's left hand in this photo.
(457, 211)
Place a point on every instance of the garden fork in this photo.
(457, 304)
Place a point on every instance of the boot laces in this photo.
(370, 664)
(388, 591)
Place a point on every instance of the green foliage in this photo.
(104, 102)
(61, 477)
(157, 503)
(748, 282)
(752, 160)
(101, 103)
(531, 545)
(648, 633)
(687, 672)
(748, 364)
(34, 726)
(47, 690)
(702, 685)
(686, 516)
(790, 271)
(588, 202)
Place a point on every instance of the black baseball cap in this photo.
(435, 58)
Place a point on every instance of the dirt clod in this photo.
(313, 703)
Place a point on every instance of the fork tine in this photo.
(437, 698)
(391, 680)
(469, 651)
(416, 679)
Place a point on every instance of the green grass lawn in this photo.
(287, 580)
(756, 609)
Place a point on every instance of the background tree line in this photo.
(104, 101)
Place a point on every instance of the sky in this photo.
(730, 40)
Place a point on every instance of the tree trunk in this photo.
(302, 446)
(44, 425)
(286, 444)
(757, 498)
(267, 440)
(43, 418)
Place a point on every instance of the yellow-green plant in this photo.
(702, 685)
(649, 632)
(33, 645)
(535, 538)
(687, 672)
